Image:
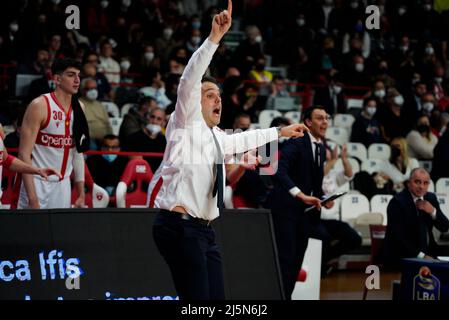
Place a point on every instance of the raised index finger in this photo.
(230, 7)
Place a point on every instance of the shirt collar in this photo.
(313, 139)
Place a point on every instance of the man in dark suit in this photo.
(298, 185)
(331, 97)
(412, 214)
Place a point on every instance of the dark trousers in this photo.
(291, 241)
(337, 238)
(190, 251)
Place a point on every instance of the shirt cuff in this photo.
(434, 214)
(210, 45)
(421, 255)
(294, 191)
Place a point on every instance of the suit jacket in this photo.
(403, 236)
(323, 98)
(296, 168)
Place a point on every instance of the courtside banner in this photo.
(109, 254)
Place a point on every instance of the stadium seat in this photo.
(443, 199)
(10, 189)
(442, 186)
(352, 205)
(426, 164)
(343, 120)
(284, 104)
(371, 165)
(431, 186)
(332, 213)
(132, 189)
(227, 197)
(379, 203)
(96, 196)
(295, 116)
(357, 150)
(115, 124)
(126, 107)
(111, 108)
(254, 126)
(354, 103)
(379, 151)
(354, 164)
(338, 135)
(266, 116)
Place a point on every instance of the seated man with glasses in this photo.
(106, 169)
(149, 139)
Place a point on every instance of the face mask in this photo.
(56, 2)
(399, 100)
(168, 33)
(153, 128)
(427, 7)
(402, 11)
(395, 152)
(359, 67)
(371, 111)
(404, 48)
(92, 94)
(337, 89)
(359, 28)
(126, 3)
(258, 39)
(379, 93)
(423, 128)
(428, 106)
(196, 40)
(149, 56)
(260, 66)
(125, 64)
(104, 4)
(439, 79)
(429, 50)
(354, 4)
(301, 22)
(196, 25)
(14, 27)
(109, 157)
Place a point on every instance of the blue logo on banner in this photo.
(425, 285)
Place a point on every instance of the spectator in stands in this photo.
(337, 236)
(355, 74)
(12, 139)
(107, 169)
(331, 96)
(249, 50)
(96, 115)
(366, 128)
(194, 41)
(107, 64)
(421, 141)
(392, 115)
(54, 48)
(414, 102)
(412, 215)
(43, 85)
(259, 74)
(428, 104)
(136, 119)
(38, 66)
(90, 69)
(150, 138)
(378, 92)
(436, 83)
(440, 164)
(156, 90)
(325, 18)
(166, 43)
(399, 166)
(278, 90)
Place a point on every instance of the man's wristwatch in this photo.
(279, 131)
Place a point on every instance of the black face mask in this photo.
(395, 152)
(260, 66)
(423, 128)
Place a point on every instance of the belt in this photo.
(188, 217)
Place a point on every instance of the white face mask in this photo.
(379, 93)
(104, 4)
(427, 7)
(359, 67)
(439, 79)
(399, 100)
(371, 111)
(337, 89)
(429, 50)
(14, 27)
(126, 3)
(56, 1)
(92, 94)
(258, 39)
(301, 22)
(428, 106)
(354, 4)
(125, 64)
(153, 128)
(196, 40)
(168, 33)
(402, 11)
(149, 56)
(404, 48)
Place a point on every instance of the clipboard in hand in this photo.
(326, 200)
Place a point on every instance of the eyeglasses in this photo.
(322, 118)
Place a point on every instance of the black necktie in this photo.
(317, 179)
(423, 231)
(317, 155)
(218, 184)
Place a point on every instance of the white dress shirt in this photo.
(186, 175)
(433, 215)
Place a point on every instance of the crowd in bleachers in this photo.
(387, 90)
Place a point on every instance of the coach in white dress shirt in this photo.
(188, 185)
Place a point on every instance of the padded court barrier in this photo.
(41, 251)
